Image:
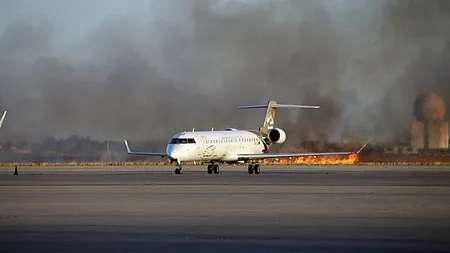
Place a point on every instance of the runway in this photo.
(283, 209)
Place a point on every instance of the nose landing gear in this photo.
(178, 169)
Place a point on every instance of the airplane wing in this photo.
(3, 118)
(143, 153)
(284, 155)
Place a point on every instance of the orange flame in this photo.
(351, 159)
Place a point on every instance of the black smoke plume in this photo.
(189, 64)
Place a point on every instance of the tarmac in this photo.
(283, 209)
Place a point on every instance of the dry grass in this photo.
(56, 164)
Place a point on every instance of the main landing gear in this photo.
(214, 167)
(254, 168)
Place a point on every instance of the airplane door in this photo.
(200, 147)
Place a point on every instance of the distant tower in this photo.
(429, 131)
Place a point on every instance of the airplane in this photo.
(2, 119)
(232, 145)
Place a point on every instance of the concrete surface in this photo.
(284, 209)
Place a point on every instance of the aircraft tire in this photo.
(256, 168)
(178, 171)
(216, 169)
(210, 171)
(250, 169)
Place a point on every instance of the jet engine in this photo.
(276, 135)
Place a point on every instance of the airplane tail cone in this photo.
(16, 173)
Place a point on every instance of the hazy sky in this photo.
(71, 19)
(113, 69)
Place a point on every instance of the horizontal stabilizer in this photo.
(271, 107)
(251, 106)
(296, 106)
(279, 106)
(2, 119)
(143, 153)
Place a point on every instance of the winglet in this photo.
(127, 147)
(359, 150)
(142, 153)
(3, 118)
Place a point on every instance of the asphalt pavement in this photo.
(283, 209)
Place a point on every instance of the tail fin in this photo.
(271, 106)
(2, 119)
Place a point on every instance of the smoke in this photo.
(145, 71)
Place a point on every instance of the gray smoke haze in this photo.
(144, 70)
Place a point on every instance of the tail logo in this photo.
(270, 121)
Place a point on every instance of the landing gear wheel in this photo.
(210, 171)
(178, 171)
(256, 168)
(215, 168)
(250, 169)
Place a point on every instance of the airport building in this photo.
(430, 130)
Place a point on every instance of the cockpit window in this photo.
(181, 141)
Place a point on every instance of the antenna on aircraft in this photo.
(212, 129)
(193, 129)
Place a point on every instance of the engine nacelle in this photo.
(276, 135)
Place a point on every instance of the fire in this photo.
(351, 159)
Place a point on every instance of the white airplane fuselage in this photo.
(223, 146)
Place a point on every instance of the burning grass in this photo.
(319, 160)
